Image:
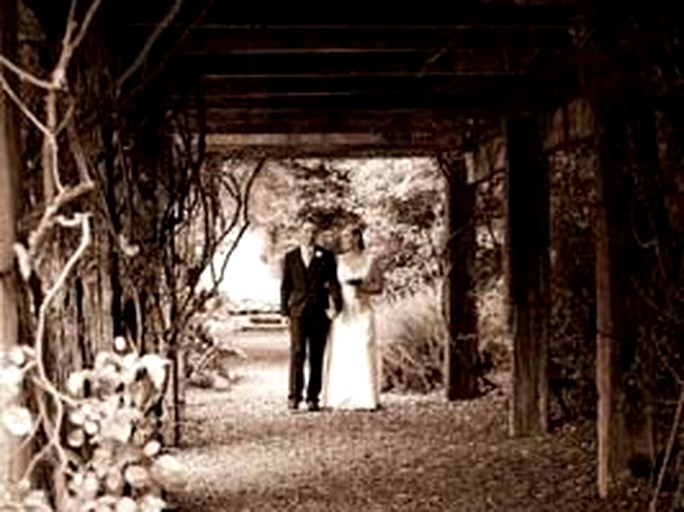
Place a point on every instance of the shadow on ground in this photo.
(244, 451)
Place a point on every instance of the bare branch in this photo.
(24, 75)
(67, 117)
(142, 56)
(162, 61)
(653, 506)
(23, 107)
(52, 293)
(42, 379)
(64, 198)
(87, 19)
(77, 152)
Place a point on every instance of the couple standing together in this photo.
(327, 302)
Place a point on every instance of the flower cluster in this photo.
(17, 422)
(117, 463)
(115, 459)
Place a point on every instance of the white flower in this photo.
(150, 503)
(130, 368)
(90, 486)
(17, 420)
(318, 254)
(10, 377)
(75, 383)
(152, 448)
(168, 471)
(120, 344)
(114, 481)
(137, 476)
(156, 369)
(126, 504)
(91, 427)
(77, 417)
(75, 439)
(17, 356)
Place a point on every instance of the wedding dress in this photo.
(351, 369)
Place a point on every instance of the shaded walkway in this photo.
(419, 453)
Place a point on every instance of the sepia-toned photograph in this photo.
(288, 257)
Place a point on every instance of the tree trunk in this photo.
(9, 178)
(462, 345)
(528, 275)
(112, 205)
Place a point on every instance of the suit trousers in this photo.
(308, 336)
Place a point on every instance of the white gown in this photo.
(351, 376)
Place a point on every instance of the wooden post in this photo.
(461, 307)
(609, 428)
(528, 274)
(9, 151)
(626, 145)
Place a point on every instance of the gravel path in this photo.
(245, 451)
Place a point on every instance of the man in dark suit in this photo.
(309, 291)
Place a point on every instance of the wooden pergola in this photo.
(407, 75)
(406, 80)
(320, 81)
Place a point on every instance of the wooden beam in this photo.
(462, 344)
(628, 166)
(429, 81)
(628, 153)
(528, 274)
(471, 13)
(332, 121)
(9, 179)
(318, 104)
(610, 319)
(360, 144)
(218, 39)
(337, 61)
(312, 73)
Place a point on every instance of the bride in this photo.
(351, 371)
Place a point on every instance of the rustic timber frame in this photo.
(407, 82)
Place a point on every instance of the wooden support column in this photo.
(9, 168)
(461, 306)
(528, 274)
(627, 147)
(609, 324)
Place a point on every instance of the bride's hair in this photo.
(358, 236)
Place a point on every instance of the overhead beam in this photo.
(413, 83)
(467, 12)
(215, 39)
(404, 91)
(357, 144)
(326, 120)
(322, 64)
(336, 61)
(400, 121)
(355, 104)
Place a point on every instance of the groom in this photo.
(308, 284)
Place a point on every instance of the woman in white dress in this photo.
(351, 372)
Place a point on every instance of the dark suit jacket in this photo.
(309, 289)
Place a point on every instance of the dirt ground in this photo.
(244, 451)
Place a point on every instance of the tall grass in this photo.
(412, 333)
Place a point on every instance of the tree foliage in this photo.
(399, 202)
